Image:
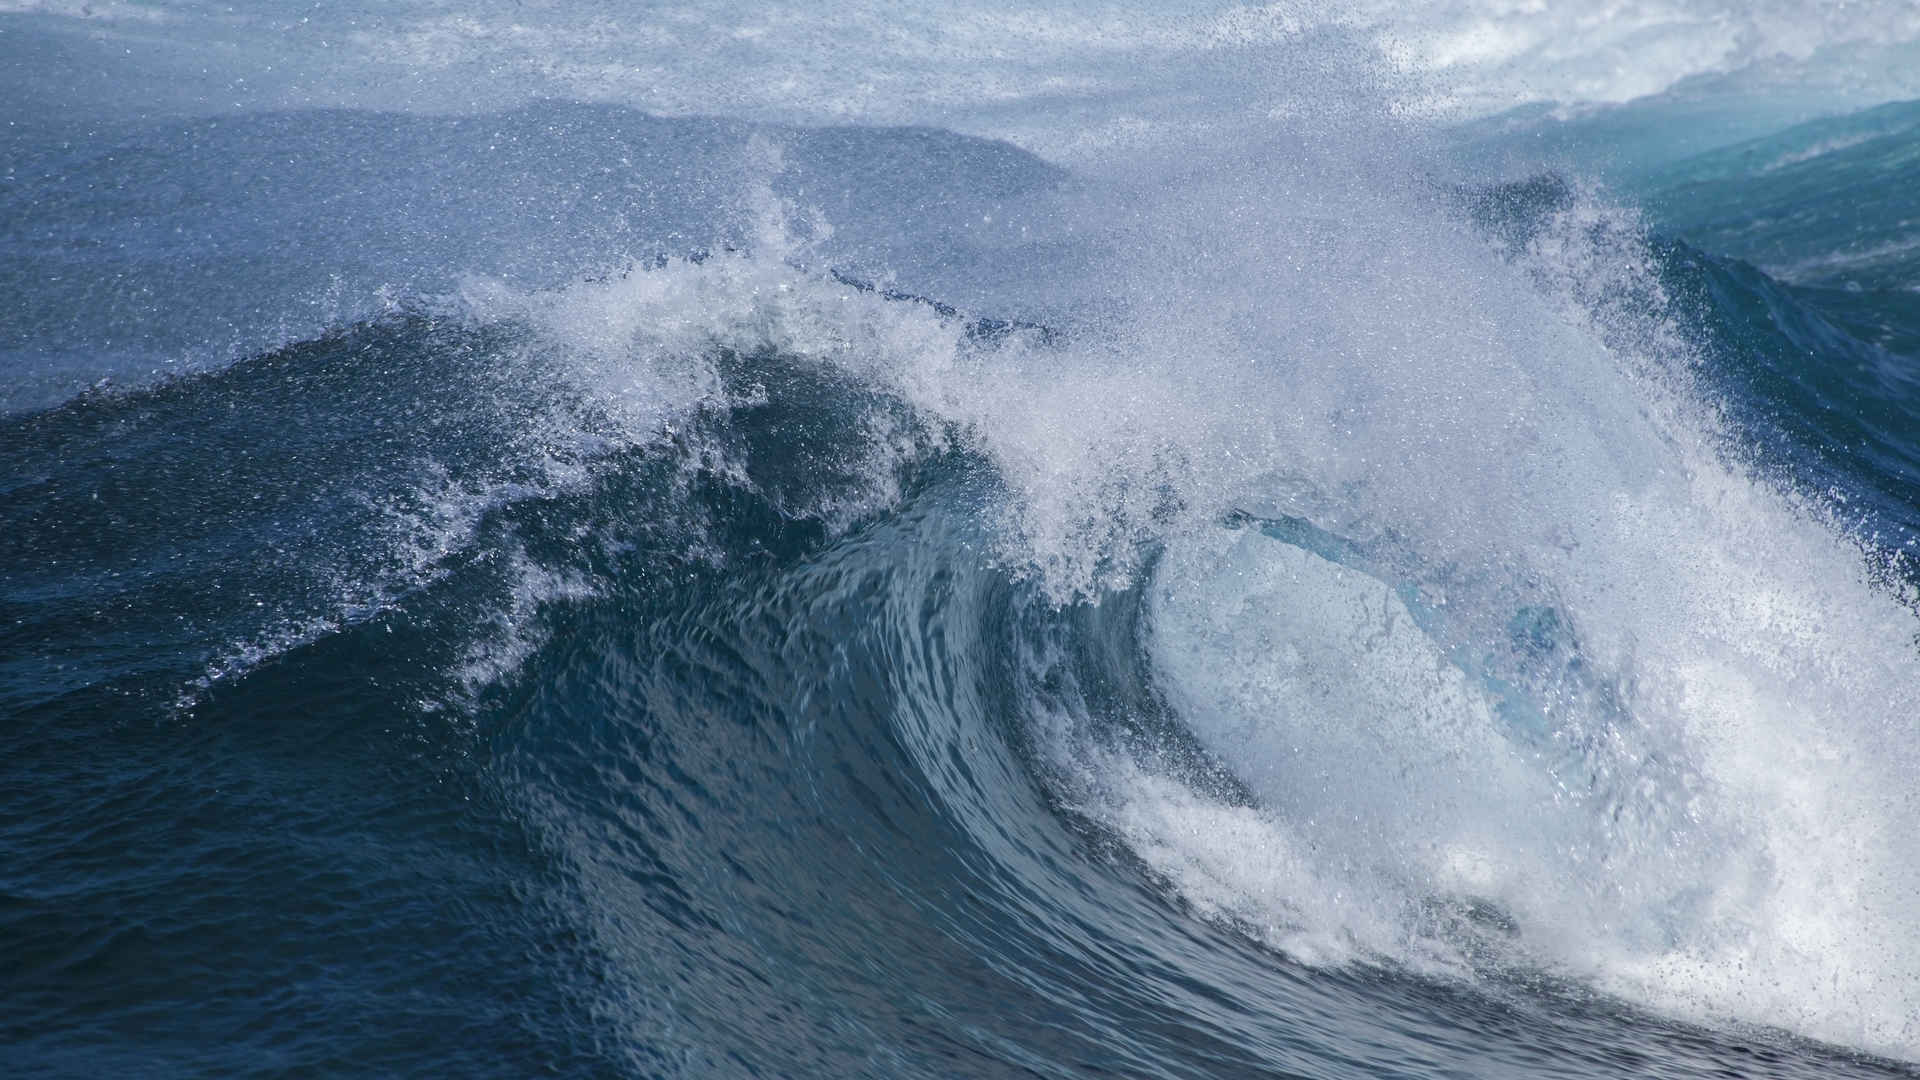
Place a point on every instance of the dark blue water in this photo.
(568, 592)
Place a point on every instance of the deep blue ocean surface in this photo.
(1084, 541)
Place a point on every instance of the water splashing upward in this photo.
(1451, 563)
(1225, 588)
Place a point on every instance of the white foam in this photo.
(1068, 80)
(1714, 819)
(1019, 70)
(1515, 458)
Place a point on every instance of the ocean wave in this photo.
(908, 609)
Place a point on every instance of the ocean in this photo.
(1182, 540)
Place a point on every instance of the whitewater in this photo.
(1189, 540)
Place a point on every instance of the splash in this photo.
(1451, 562)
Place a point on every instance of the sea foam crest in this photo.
(1504, 631)
(1525, 639)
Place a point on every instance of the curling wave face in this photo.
(1279, 587)
(1506, 627)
